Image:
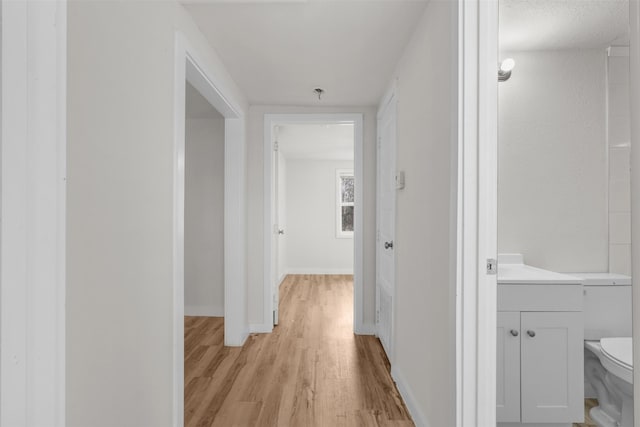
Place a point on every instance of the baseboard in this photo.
(535, 424)
(409, 399)
(320, 271)
(284, 276)
(366, 329)
(203, 311)
(233, 343)
(260, 328)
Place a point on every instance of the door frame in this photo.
(190, 66)
(476, 290)
(33, 235)
(478, 45)
(271, 120)
(634, 59)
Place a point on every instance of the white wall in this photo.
(312, 245)
(424, 363)
(618, 131)
(255, 204)
(204, 217)
(552, 177)
(120, 161)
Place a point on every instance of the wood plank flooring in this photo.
(588, 422)
(311, 371)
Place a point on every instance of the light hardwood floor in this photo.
(588, 422)
(311, 371)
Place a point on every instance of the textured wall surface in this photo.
(552, 181)
(619, 128)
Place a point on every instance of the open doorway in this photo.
(204, 208)
(564, 215)
(313, 176)
(203, 240)
(314, 202)
(224, 118)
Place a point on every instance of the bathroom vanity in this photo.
(540, 374)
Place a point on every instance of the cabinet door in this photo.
(552, 373)
(508, 367)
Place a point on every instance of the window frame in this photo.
(340, 173)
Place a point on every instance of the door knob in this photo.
(388, 245)
(531, 334)
(514, 332)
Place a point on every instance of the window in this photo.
(345, 203)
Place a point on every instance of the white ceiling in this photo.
(197, 107)
(279, 51)
(316, 141)
(563, 24)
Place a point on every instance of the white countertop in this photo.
(514, 272)
(603, 279)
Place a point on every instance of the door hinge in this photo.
(492, 266)
(378, 235)
(377, 316)
(275, 146)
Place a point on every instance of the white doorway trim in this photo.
(33, 254)
(477, 213)
(189, 66)
(270, 120)
(634, 57)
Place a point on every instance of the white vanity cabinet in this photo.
(540, 375)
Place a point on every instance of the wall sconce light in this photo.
(504, 70)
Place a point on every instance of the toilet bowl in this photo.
(617, 357)
(609, 368)
(608, 358)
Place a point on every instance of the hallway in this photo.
(311, 371)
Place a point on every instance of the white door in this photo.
(275, 244)
(552, 375)
(508, 367)
(386, 209)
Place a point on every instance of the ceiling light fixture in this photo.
(504, 70)
(319, 91)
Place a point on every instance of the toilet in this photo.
(608, 356)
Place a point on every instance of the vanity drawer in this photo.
(539, 297)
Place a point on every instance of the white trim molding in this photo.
(477, 213)
(203, 311)
(33, 257)
(634, 60)
(270, 120)
(191, 67)
(261, 328)
(419, 419)
(321, 271)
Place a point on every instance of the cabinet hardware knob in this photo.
(531, 334)
(514, 332)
